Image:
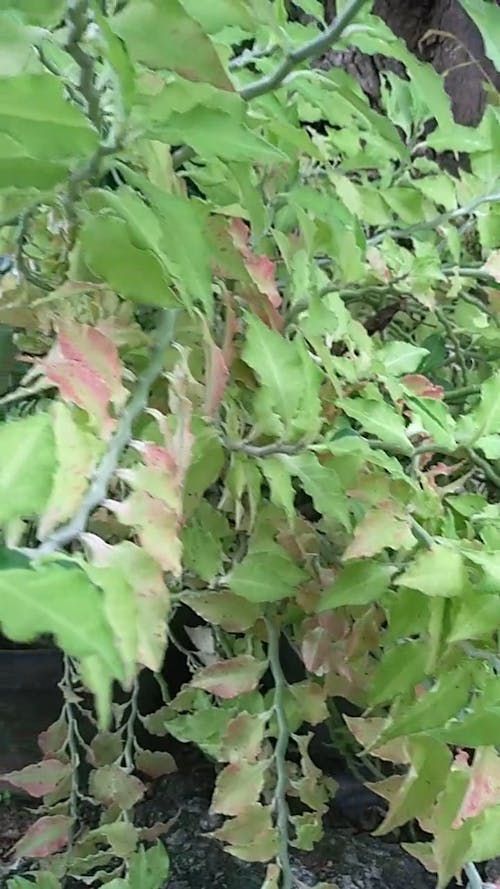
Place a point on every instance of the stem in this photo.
(462, 393)
(485, 466)
(436, 221)
(310, 50)
(99, 485)
(265, 450)
(280, 800)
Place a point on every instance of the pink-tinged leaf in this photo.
(85, 366)
(45, 837)
(216, 375)
(157, 527)
(40, 778)
(311, 698)
(381, 528)
(422, 387)
(367, 730)
(53, 738)
(316, 650)
(145, 576)
(112, 785)
(244, 736)
(155, 763)
(230, 678)
(238, 786)
(260, 268)
(484, 785)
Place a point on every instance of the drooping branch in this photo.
(109, 463)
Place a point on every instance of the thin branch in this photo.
(310, 50)
(99, 485)
(483, 464)
(280, 751)
(436, 221)
(265, 450)
(78, 19)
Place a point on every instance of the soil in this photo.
(348, 855)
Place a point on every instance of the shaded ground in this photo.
(348, 856)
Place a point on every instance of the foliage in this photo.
(262, 327)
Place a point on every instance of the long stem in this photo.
(99, 485)
(280, 800)
(310, 50)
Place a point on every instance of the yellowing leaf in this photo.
(436, 572)
(238, 786)
(230, 678)
(76, 451)
(381, 528)
(27, 465)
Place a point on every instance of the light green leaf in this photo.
(322, 483)
(436, 572)
(30, 106)
(434, 708)
(27, 465)
(62, 601)
(478, 615)
(435, 419)
(278, 477)
(266, 575)
(357, 584)
(487, 18)
(277, 365)
(401, 358)
(133, 271)
(490, 446)
(157, 35)
(399, 671)
(380, 419)
(484, 420)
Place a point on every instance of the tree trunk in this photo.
(439, 32)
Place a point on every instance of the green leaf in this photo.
(478, 615)
(267, 575)
(277, 365)
(399, 671)
(436, 572)
(278, 477)
(436, 706)
(379, 419)
(30, 106)
(380, 528)
(487, 18)
(45, 12)
(133, 271)
(485, 418)
(61, 600)
(27, 465)
(401, 358)
(435, 419)
(157, 35)
(357, 584)
(322, 483)
(149, 868)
